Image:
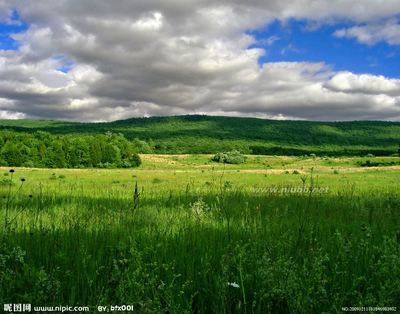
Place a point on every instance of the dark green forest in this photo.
(47, 143)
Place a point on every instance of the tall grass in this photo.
(222, 249)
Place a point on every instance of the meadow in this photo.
(181, 234)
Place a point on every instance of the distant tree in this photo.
(135, 160)
(141, 146)
(15, 154)
(42, 151)
(160, 148)
(82, 152)
(111, 154)
(95, 152)
(232, 157)
(55, 157)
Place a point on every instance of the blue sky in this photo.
(299, 40)
(8, 28)
(16, 25)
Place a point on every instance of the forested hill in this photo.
(209, 134)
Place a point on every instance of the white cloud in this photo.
(135, 58)
(365, 84)
(11, 115)
(4, 114)
(371, 34)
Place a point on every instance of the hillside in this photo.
(209, 134)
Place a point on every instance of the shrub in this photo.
(219, 157)
(135, 160)
(232, 157)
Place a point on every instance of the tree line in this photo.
(42, 149)
(188, 135)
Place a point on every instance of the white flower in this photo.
(233, 284)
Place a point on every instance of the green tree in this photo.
(14, 154)
(95, 152)
(55, 156)
(111, 154)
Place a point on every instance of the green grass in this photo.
(197, 226)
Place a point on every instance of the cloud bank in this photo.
(106, 60)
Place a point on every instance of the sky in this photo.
(102, 60)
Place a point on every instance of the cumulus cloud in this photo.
(135, 58)
(364, 84)
(371, 34)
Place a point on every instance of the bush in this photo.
(232, 157)
(219, 157)
(135, 160)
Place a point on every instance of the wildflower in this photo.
(12, 171)
(30, 195)
(23, 179)
(233, 285)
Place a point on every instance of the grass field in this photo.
(181, 234)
